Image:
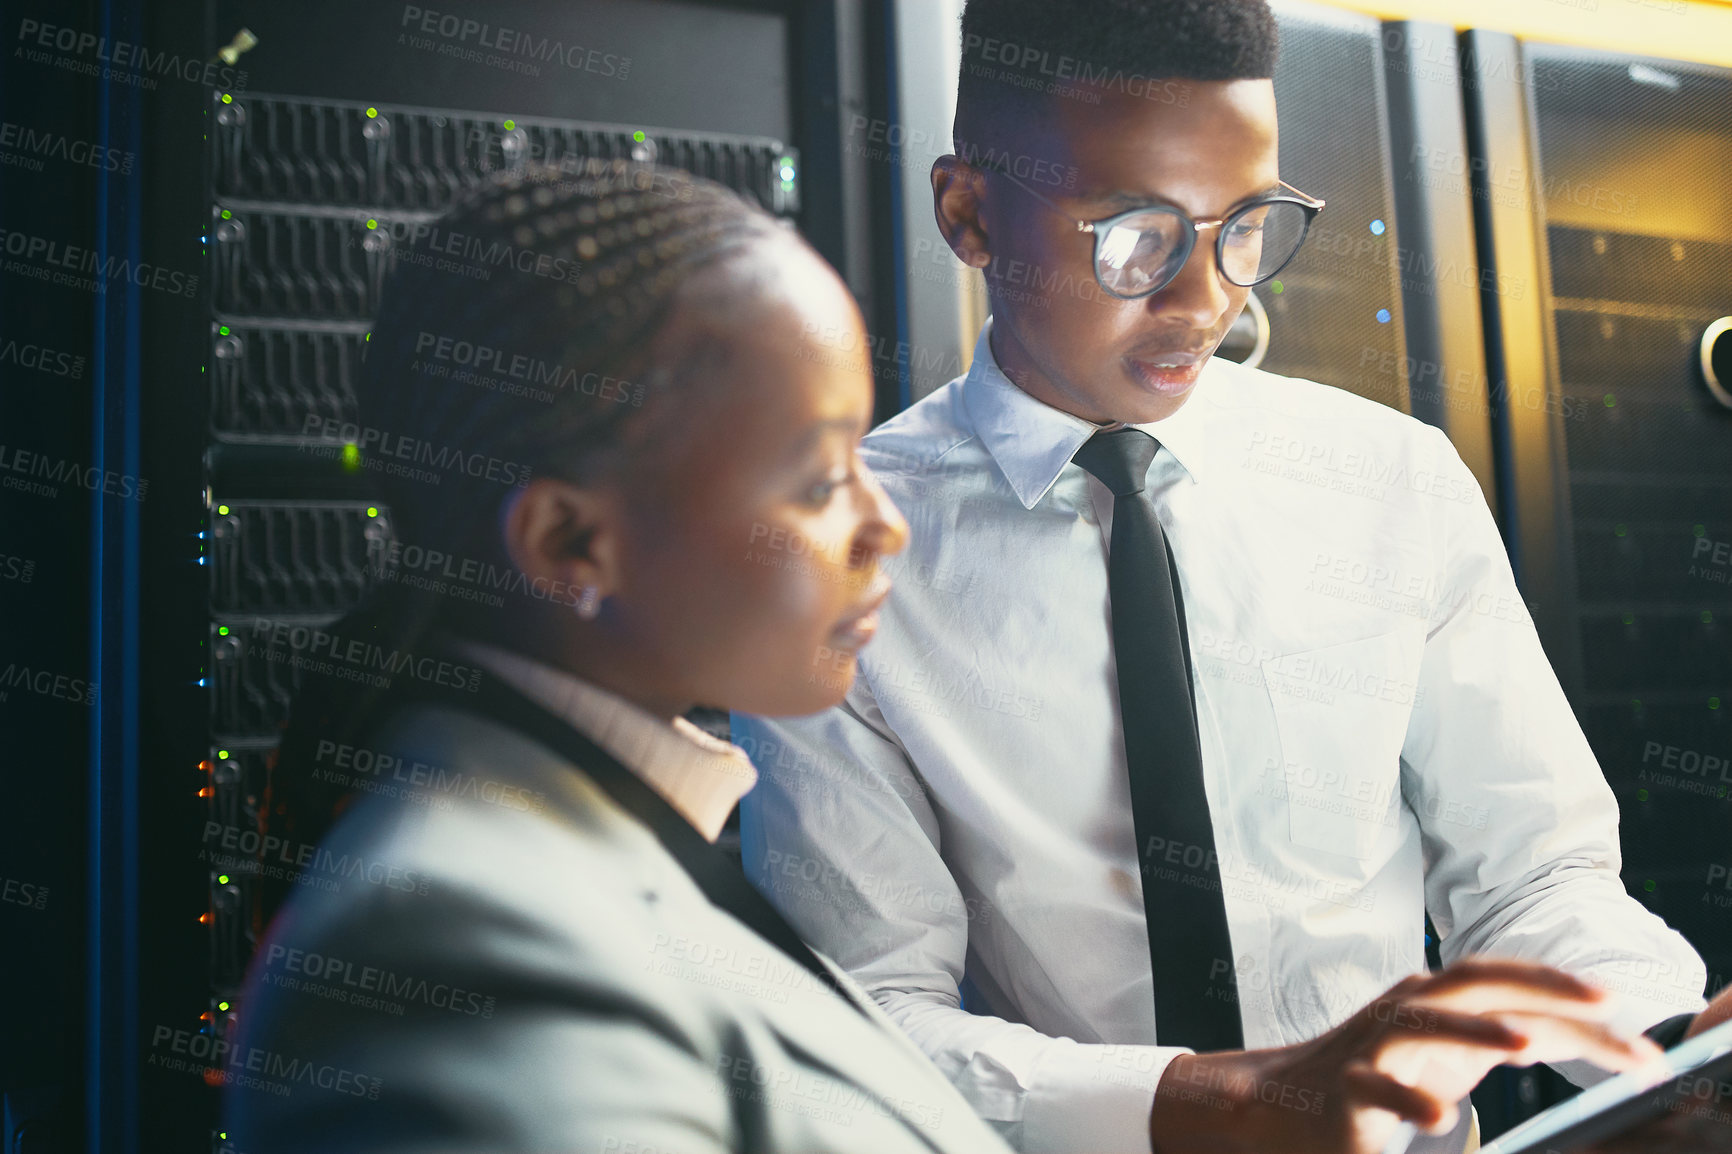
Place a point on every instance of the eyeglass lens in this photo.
(1140, 253)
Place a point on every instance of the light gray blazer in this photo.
(488, 954)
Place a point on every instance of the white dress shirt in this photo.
(702, 777)
(1381, 734)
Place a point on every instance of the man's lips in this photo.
(1177, 358)
(861, 622)
(1171, 374)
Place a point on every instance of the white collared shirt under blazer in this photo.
(1381, 733)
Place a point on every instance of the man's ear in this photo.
(957, 191)
(563, 532)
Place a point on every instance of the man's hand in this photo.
(1411, 1054)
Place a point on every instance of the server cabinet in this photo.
(285, 191)
(1603, 208)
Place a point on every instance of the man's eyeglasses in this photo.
(1139, 252)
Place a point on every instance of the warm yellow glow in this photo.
(1699, 30)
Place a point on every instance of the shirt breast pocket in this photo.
(1342, 714)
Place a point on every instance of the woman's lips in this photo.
(1170, 374)
(857, 628)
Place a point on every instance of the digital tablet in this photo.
(1693, 1077)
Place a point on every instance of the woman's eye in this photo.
(821, 493)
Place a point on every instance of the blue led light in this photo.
(1382, 316)
(1378, 228)
(201, 683)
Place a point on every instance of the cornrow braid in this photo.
(584, 265)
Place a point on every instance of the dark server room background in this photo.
(1527, 243)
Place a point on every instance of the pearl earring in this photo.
(589, 603)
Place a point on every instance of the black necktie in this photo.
(1189, 947)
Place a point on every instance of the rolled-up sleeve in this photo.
(1520, 828)
(841, 835)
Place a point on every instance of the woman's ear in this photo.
(562, 532)
(957, 187)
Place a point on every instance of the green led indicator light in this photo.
(1650, 885)
(222, 879)
(1713, 703)
(638, 136)
(1707, 617)
(1611, 401)
(1277, 287)
(227, 214)
(372, 511)
(372, 113)
(1620, 531)
(351, 457)
(227, 99)
(223, 329)
(371, 223)
(510, 125)
(1629, 619)
(222, 1005)
(1641, 795)
(222, 755)
(368, 338)
(1701, 530)
(222, 631)
(223, 509)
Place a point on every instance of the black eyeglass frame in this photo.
(1188, 242)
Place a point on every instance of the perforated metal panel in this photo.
(294, 557)
(306, 263)
(273, 382)
(276, 148)
(311, 202)
(1335, 313)
(1628, 187)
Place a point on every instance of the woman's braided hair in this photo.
(575, 270)
(585, 263)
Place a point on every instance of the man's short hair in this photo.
(1019, 53)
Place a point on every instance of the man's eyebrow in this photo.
(1124, 200)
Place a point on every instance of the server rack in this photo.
(309, 201)
(247, 520)
(1600, 207)
(1337, 313)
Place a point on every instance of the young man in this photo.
(1147, 759)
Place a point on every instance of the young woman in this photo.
(624, 485)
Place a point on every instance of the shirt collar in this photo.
(702, 777)
(1032, 442)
